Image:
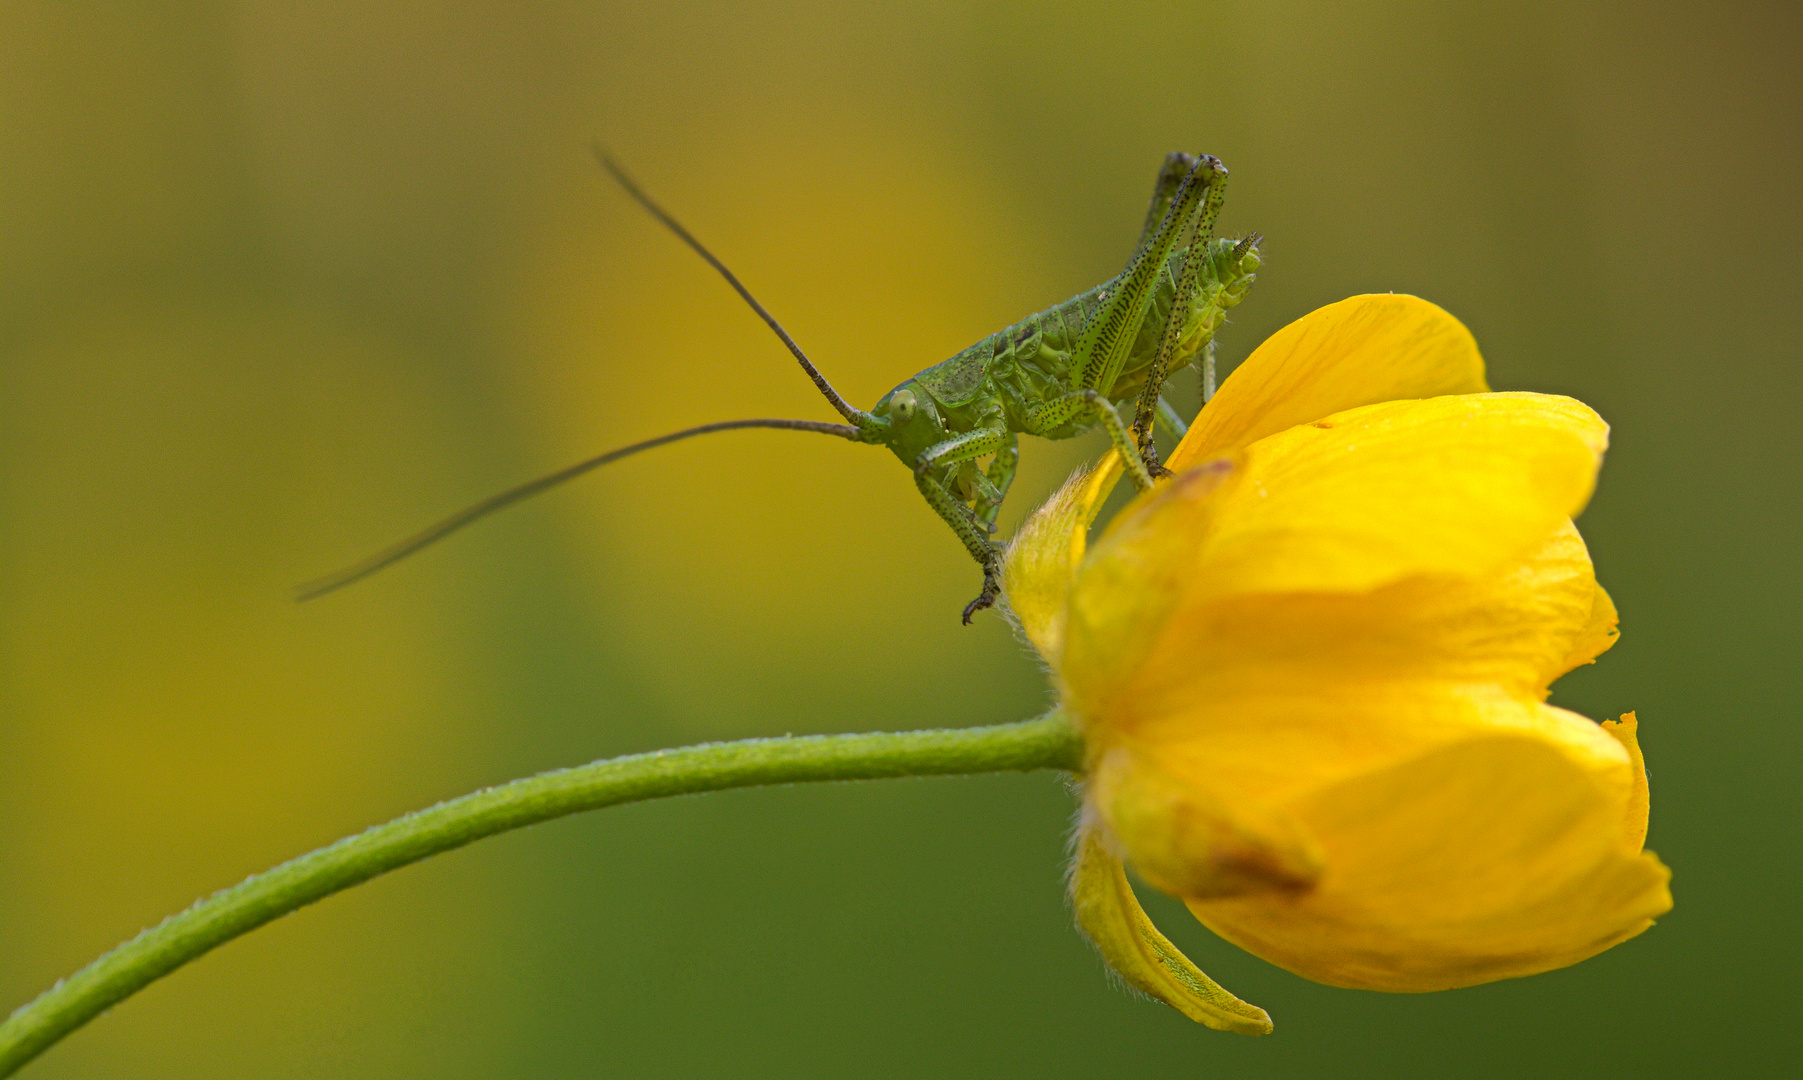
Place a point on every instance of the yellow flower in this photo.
(1311, 673)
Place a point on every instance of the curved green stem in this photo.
(1049, 742)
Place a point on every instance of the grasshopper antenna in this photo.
(845, 408)
(425, 538)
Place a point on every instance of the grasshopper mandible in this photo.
(1056, 374)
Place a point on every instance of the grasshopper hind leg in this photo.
(1177, 165)
(1200, 225)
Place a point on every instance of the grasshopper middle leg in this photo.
(1061, 410)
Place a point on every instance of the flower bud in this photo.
(1311, 669)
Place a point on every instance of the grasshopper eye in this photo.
(902, 405)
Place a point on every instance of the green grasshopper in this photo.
(1056, 374)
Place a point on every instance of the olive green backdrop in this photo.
(283, 281)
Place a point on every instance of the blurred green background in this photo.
(281, 282)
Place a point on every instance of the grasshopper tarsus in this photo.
(992, 590)
(1148, 456)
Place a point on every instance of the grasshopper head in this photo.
(1235, 264)
(914, 421)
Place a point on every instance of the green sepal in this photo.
(1110, 915)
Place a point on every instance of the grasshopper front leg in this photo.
(972, 528)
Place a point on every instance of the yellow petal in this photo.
(1112, 919)
(1262, 746)
(1489, 858)
(1041, 562)
(1452, 485)
(1598, 635)
(1424, 508)
(1040, 565)
(1126, 593)
(1515, 629)
(1634, 816)
(1360, 351)
(1095, 490)
(1187, 843)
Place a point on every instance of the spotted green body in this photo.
(1071, 368)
